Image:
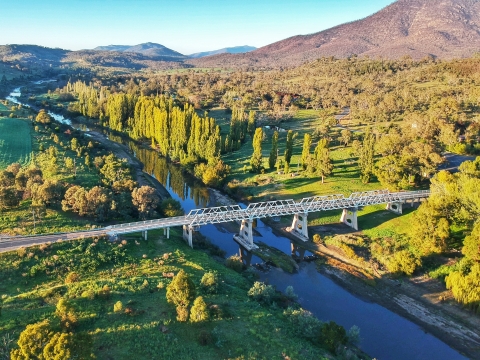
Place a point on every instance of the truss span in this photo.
(221, 214)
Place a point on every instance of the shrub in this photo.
(118, 307)
(403, 261)
(305, 324)
(317, 239)
(181, 291)
(182, 313)
(332, 335)
(234, 262)
(66, 313)
(290, 293)
(262, 293)
(171, 207)
(72, 277)
(199, 311)
(354, 335)
(209, 282)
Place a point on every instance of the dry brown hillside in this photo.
(439, 28)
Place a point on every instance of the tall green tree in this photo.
(289, 146)
(251, 123)
(256, 160)
(365, 160)
(307, 143)
(272, 159)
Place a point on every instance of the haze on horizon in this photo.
(186, 26)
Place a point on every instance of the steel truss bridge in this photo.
(299, 209)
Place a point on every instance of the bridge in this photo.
(245, 216)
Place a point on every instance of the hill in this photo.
(147, 49)
(229, 50)
(441, 29)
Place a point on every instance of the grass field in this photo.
(15, 141)
(239, 328)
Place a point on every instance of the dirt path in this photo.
(122, 152)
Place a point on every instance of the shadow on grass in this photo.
(376, 218)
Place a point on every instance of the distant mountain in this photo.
(419, 28)
(229, 50)
(147, 49)
(31, 54)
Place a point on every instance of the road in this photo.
(454, 161)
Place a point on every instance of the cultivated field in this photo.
(15, 141)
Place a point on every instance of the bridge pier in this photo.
(299, 226)
(145, 235)
(188, 234)
(396, 207)
(166, 231)
(349, 217)
(245, 236)
(298, 252)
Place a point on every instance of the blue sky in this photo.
(186, 26)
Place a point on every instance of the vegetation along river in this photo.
(384, 334)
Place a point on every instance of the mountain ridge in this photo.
(229, 50)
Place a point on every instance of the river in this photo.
(384, 334)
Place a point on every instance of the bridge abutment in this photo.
(299, 226)
(245, 236)
(188, 234)
(349, 217)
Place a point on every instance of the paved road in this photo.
(454, 161)
(10, 244)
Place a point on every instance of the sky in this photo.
(186, 26)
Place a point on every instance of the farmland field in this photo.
(15, 141)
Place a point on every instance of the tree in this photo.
(251, 123)
(171, 207)
(471, 244)
(256, 160)
(69, 346)
(289, 146)
(199, 312)
(181, 291)
(346, 136)
(307, 143)
(323, 162)
(365, 160)
(32, 341)
(8, 197)
(43, 117)
(66, 313)
(272, 159)
(146, 200)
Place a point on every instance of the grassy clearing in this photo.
(239, 328)
(15, 141)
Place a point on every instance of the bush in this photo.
(209, 282)
(262, 293)
(403, 261)
(182, 313)
(317, 239)
(199, 311)
(332, 335)
(234, 262)
(66, 313)
(118, 307)
(171, 208)
(181, 291)
(72, 277)
(305, 324)
(290, 293)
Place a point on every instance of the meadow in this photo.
(15, 141)
(134, 272)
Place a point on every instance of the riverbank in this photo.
(421, 300)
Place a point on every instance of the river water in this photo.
(384, 334)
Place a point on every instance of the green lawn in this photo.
(15, 141)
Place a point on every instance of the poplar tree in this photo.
(251, 123)
(272, 160)
(256, 160)
(365, 160)
(289, 146)
(307, 143)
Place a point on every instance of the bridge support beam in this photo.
(145, 235)
(299, 226)
(245, 236)
(166, 231)
(349, 217)
(188, 234)
(298, 252)
(395, 207)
